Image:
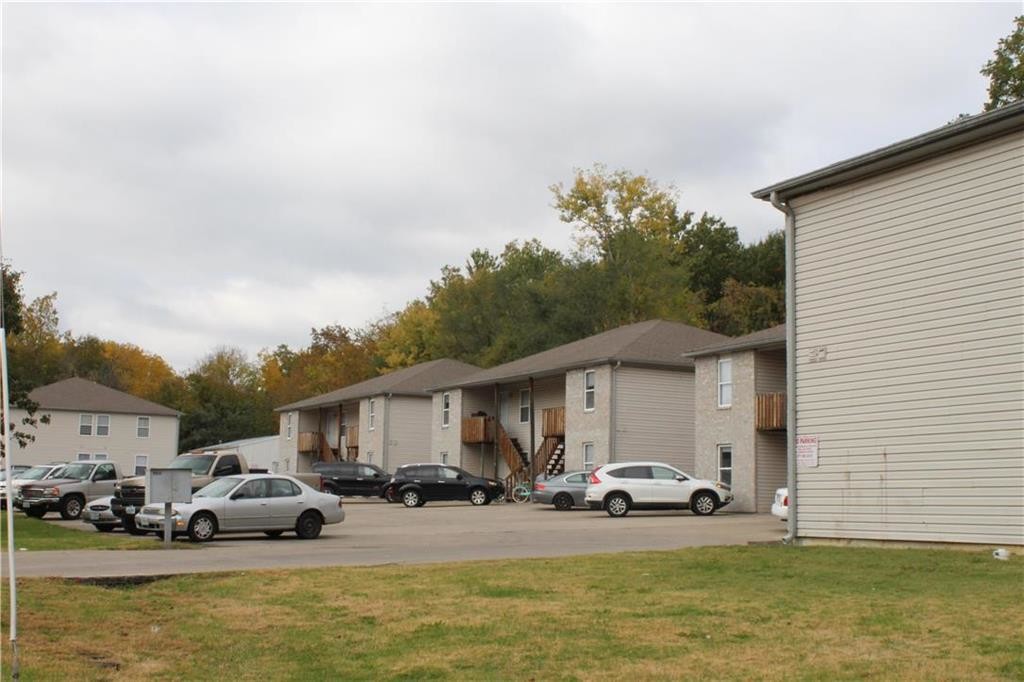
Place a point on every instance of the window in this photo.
(725, 382)
(141, 464)
(252, 490)
(228, 466)
(637, 472)
(447, 474)
(142, 427)
(85, 425)
(367, 472)
(288, 425)
(369, 456)
(83, 456)
(664, 473)
(280, 487)
(588, 456)
(589, 390)
(725, 464)
(446, 405)
(100, 456)
(576, 478)
(372, 415)
(275, 467)
(444, 458)
(103, 425)
(105, 472)
(524, 406)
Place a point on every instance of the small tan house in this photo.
(93, 421)
(383, 421)
(906, 353)
(623, 395)
(741, 416)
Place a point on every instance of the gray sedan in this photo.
(565, 491)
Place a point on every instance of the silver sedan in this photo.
(265, 503)
(99, 514)
(565, 491)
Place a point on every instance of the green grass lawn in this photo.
(718, 613)
(37, 534)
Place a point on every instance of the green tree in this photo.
(746, 308)
(712, 251)
(1005, 71)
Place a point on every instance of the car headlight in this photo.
(52, 491)
(723, 486)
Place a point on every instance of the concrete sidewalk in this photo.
(375, 534)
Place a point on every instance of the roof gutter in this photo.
(790, 365)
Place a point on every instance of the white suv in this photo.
(617, 488)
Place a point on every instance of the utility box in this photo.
(168, 485)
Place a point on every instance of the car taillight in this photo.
(785, 501)
(594, 480)
(339, 502)
(323, 488)
(538, 486)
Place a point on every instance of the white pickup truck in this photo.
(130, 494)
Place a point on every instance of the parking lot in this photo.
(378, 533)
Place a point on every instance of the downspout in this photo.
(533, 437)
(386, 431)
(791, 527)
(611, 413)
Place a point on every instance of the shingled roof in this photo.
(81, 395)
(773, 337)
(411, 381)
(654, 343)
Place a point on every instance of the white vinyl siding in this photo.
(408, 431)
(909, 285)
(770, 467)
(654, 416)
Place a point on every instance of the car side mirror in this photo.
(459, 477)
(238, 496)
(680, 478)
(376, 475)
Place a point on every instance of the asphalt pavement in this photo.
(376, 533)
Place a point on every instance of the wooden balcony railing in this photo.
(309, 441)
(770, 412)
(352, 437)
(552, 420)
(477, 430)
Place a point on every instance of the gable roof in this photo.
(773, 337)
(960, 133)
(411, 381)
(654, 343)
(81, 395)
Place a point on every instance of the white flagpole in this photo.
(6, 427)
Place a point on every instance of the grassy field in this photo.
(722, 613)
(37, 534)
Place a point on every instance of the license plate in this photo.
(129, 509)
(93, 516)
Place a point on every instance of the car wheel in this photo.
(129, 525)
(703, 504)
(478, 496)
(202, 527)
(35, 512)
(563, 501)
(273, 533)
(71, 508)
(103, 529)
(617, 505)
(308, 526)
(411, 498)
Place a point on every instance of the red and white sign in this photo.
(807, 451)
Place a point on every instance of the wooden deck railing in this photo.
(509, 452)
(477, 430)
(352, 437)
(770, 414)
(309, 441)
(552, 422)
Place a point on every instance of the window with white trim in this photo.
(444, 458)
(103, 425)
(725, 382)
(589, 390)
(83, 456)
(100, 456)
(524, 406)
(288, 425)
(446, 409)
(371, 418)
(369, 456)
(141, 464)
(588, 456)
(142, 427)
(85, 425)
(725, 464)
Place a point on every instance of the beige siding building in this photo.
(91, 421)
(623, 395)
(908, 314)
(740, 421)
(384, 421)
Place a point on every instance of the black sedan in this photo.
(417, 484)
(352, 478)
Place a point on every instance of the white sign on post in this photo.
(168, 486)
(807, 451)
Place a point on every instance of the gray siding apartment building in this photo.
(907, 312)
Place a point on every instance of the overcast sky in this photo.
(188, 176)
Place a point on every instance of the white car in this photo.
(617, 488)
(780, 507)
(249, 503)
(99, 514)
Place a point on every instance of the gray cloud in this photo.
(192, 175)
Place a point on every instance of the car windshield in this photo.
(78, 472)
(219, 488)
(199, 464)
(34, 474)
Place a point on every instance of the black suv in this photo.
(417, 484)
(352, 478)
